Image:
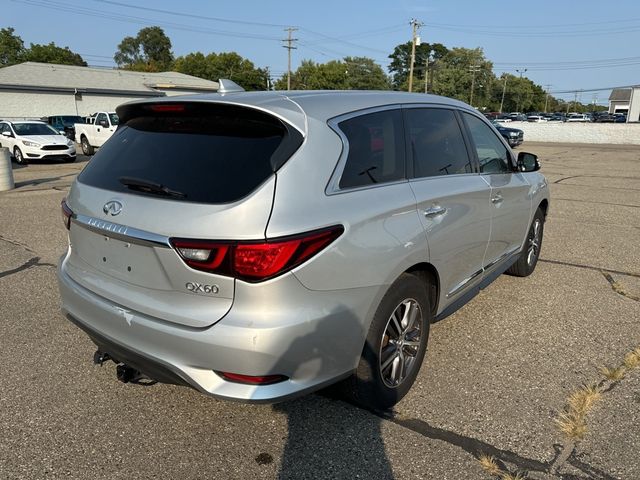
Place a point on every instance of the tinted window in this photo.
(437, 145)
(114, 119)
(376, 149)
(210, 153)
(492, 154)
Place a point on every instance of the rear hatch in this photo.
(201, 171)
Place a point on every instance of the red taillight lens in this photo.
(254, 261)
(252, 380)
(67, 213)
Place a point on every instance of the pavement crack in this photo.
(589, 267)
(31, 263)
(618, 287)
(599, 203)
(470, 445)
(567, 178)
(16, 243)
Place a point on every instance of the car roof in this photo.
(297, 106)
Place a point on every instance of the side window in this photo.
(376, 149)
(437, 145)
(492, 154)
(102, 117)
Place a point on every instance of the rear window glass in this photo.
(376, 149)
(207, 153)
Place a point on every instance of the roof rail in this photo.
(227, 86)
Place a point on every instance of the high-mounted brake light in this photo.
(168, 107)
(254, 261)
(67, 213)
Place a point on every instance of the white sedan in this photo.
(32, 140)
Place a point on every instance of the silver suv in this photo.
(257, 246)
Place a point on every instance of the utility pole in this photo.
(473, 69)
(546, 97)
(504, 89)
(521, 72)
(414, 38)
(289, 46)
(426, 74)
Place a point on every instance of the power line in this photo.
(188, 15)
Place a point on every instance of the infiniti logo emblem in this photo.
(112, 208)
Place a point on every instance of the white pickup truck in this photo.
(97, 129)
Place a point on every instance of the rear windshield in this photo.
(208, 153)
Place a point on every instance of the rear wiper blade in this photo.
(148, 186)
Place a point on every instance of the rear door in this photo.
(196, 172)
(452, 198)
(510, 199)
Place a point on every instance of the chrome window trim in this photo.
(121, 232)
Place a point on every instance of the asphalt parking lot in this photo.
(497, 373)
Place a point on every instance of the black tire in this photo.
(528, 259)
(19, 157)
(87, 149)
(369, 386)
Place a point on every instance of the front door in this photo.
(453, 200)
(510, 199)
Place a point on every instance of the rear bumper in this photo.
(277, 328)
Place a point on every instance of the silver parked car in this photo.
(257, 246)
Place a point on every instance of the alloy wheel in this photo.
(400, 343)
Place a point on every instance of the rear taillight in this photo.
(67, 213)
(254, 261)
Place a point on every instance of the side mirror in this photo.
(61, 132)
(104, 123)
(6, 134)
(528, 162)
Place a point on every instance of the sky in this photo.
(567, 46)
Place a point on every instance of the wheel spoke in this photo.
(396, 324)
(389, 354)
(410, 314)
(395, 370)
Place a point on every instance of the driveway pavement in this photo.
(497, 373)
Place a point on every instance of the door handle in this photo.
(434, 211)
(497, 198)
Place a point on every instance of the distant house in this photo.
(619, 100)
(33, 90)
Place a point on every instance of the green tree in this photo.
(51, 53)
(11, 47)
(460, 69)
(401, 61)
(149, 51)
(365, 74)
(352, 73)
(223, 65)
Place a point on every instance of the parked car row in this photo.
(600, 117)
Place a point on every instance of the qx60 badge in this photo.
(112, 207)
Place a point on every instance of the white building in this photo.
(626, 100)
(33, 90)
